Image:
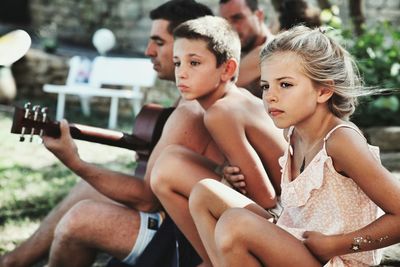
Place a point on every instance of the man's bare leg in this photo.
(37, 246)
(90, 227)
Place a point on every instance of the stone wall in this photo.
(38, 68)
(77, 20)
(388, 141)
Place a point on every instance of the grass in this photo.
(26, 192)
(33, 181)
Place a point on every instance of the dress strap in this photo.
(289, 133)
(288, 137)
(340, 126)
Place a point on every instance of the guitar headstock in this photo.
(31, 120)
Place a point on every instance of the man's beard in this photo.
(249, 45)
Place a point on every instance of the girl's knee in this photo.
(229, 228)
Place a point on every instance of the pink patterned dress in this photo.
(320, 199)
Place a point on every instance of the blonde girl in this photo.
(340, 205)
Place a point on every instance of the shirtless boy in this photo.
(206, 56)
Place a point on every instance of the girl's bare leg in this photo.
(244, 238)
(208, 201)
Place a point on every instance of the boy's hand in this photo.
(64, 147)
(235, 178)
(320, 245)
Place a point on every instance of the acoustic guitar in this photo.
(34, 120)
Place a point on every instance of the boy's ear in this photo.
(230, 69)
(325, 92)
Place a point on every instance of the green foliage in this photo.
(331, 17)
(377, 52)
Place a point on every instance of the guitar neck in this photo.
(80, 132)
(146, 132)
(102, 136)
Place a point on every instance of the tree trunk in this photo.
(276, 4)
(357, 15)
(325, 4)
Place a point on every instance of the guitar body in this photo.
(148, 126)
(146, 131)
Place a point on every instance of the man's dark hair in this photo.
(295, 12)
(178, 11)
(252, 4)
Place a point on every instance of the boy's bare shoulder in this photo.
(219, 114)
(235, 108)
(186, 115)
(238, 101)
(185, 127)
(188, 108)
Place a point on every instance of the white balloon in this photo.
(104, 40)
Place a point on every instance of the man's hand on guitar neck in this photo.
(64, 147)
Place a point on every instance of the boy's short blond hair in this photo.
(222, 40)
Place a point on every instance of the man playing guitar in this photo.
(103, 211)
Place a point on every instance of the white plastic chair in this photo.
(129, 72)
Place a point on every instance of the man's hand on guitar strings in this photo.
(64, 147)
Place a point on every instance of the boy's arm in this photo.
(229, 134)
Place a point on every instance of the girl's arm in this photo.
(351, 156)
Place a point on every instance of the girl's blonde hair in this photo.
(323, 60)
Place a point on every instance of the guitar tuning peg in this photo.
(44, 119)
(27, 105)
(36, 110)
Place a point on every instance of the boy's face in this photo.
(245, 22)
(196, 74)
(159, 49)
(290, 97)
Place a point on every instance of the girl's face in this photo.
(196, 74)
(290, 97)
